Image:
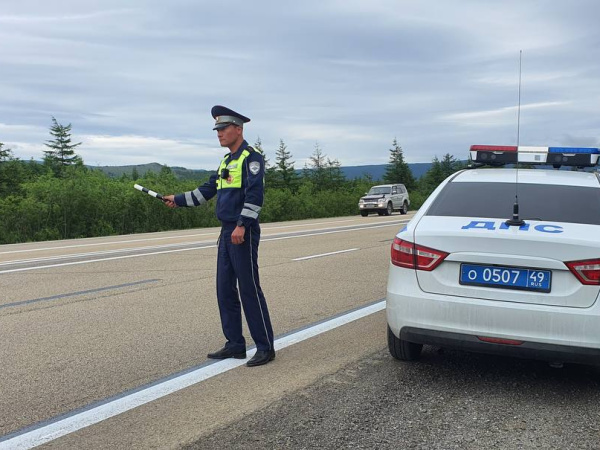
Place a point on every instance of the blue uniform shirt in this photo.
(233, 204)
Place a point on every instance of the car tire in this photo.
(403, 350)
(364, 213)
(404, 209)
(380, 213)
(389, 209)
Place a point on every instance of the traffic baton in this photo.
(149, 192)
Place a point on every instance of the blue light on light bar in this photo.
(572, 150)
(573, 156)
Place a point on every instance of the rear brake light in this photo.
(412, 256)
(587, 271)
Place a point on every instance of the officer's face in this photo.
(229, 135)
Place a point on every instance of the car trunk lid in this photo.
(491, 243)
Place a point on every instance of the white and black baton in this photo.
(149, 192)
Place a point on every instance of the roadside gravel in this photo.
(448, 400)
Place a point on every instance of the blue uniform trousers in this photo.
(237, 266)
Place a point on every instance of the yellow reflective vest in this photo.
(234, 168)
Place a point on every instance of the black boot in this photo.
(261, 357)
(225, 353)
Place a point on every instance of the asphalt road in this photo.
(84, 321)
(95, 324)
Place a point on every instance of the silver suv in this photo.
(385, 199)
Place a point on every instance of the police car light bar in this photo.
(556, 156)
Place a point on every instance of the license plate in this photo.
(506, 277)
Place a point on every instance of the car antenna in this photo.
(515, 221)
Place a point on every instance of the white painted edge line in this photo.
(93, 244)
(325, 254)
(23, 269)
(62, 427)
(103, 252)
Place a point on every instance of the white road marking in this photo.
(92, 244)
(94, 414)
(48, 266)
(23, 269)
(129, 241)
(325, 254)
(103, 252)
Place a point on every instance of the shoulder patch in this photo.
(254, 167)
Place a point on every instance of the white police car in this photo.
(463, 275)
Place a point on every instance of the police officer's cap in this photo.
(225, 117)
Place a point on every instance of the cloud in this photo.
(99, 150)
(32, 19)
(352, 75)
(495, 117)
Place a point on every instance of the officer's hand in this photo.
(237, 236)
(169, 200)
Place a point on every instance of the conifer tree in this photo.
(286, 174)
(5, 153)
(397, 170)
(335, 176)
(314, 169)
(439, 171)
(62, 150)
(270, 178)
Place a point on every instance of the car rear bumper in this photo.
(529, 350)
(542, 327)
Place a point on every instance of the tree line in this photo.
(61, 198)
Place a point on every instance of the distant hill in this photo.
(376, 172)
(180, 172)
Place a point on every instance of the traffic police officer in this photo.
(238, 185)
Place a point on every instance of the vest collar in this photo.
(239, 151)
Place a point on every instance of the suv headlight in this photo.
(361, 201)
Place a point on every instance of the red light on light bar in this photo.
(493, 148)
(493, 340)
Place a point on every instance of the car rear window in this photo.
(379, 190)
(572, 204)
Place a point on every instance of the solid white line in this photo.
(325, 254)
(47, 433)
(103, 252)
(92, 244)
(24, 269)
(129, 241)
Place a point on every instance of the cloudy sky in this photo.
(137, 79)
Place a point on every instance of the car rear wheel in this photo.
(389, 210)
(403, 350)
(364, 213)
(404, 209)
